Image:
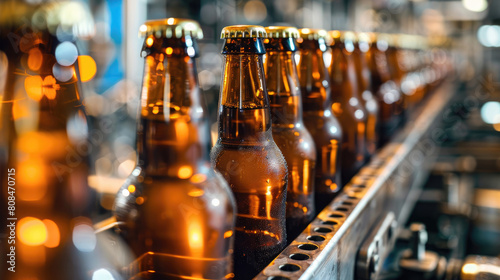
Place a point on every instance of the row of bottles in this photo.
(291, 130)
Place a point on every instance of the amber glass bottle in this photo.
(397, 74)
(175, 212)
(289, 131)
(346, 104)
(246, 154)
(318, 117)
(385, 90)
(46, 231)
(412, 84)
(360, 55)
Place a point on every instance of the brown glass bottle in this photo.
(246, 154)
(175, 212)
(289, 131)
(396, 72)
(45, 198)
(318, 117)
(385, 90)
(360, 55)
(346, 104)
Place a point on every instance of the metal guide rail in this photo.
(353, 235)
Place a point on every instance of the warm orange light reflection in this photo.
(169, 50)
(185, 172)
(53, 234)
(32, 182)
(195, 238)
(49, 87)
(31, 231)
(139, 200)
(131, 188)
(196, 192)
(149, 41)
(33, 86)
(228, 234)
(35, 59)
(20, 110)
(198, 178)
(87, 67)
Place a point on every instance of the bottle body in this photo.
(174, 211)
(365, 92)
(347, 107)
(290, 133)
(385, 90)
(397, 74)
(323, 126)
(248, 158)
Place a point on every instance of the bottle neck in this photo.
(244, 114)
(343, 74)
(282, 82)
(313, 76)
(172, 129)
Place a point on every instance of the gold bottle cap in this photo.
(171, 28)
(365, 37)
(342, 36)
(243, 31)
(282, 32)
(312, 34)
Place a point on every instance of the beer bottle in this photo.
(383, 87)
(176, 213)
(289, 131)
(411, 83)
(45, 198)
(346, 104)
(318, 118)
(361, 49)
(396, 72)
(246, 154)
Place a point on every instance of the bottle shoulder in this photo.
(199, 189)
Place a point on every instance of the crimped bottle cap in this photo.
(282, 32)
(312, 34)
(243, 31)
(171, 28)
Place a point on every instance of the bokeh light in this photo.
(66, 53)
(475, 5)
(84, 237)
(489, 35)
(53, 234)
(87, 68)
(255, 11)
(63, 73)
(35, 59)
(31, 231)
(490, 112)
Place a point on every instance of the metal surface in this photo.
(391, 182)
(376, 248)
